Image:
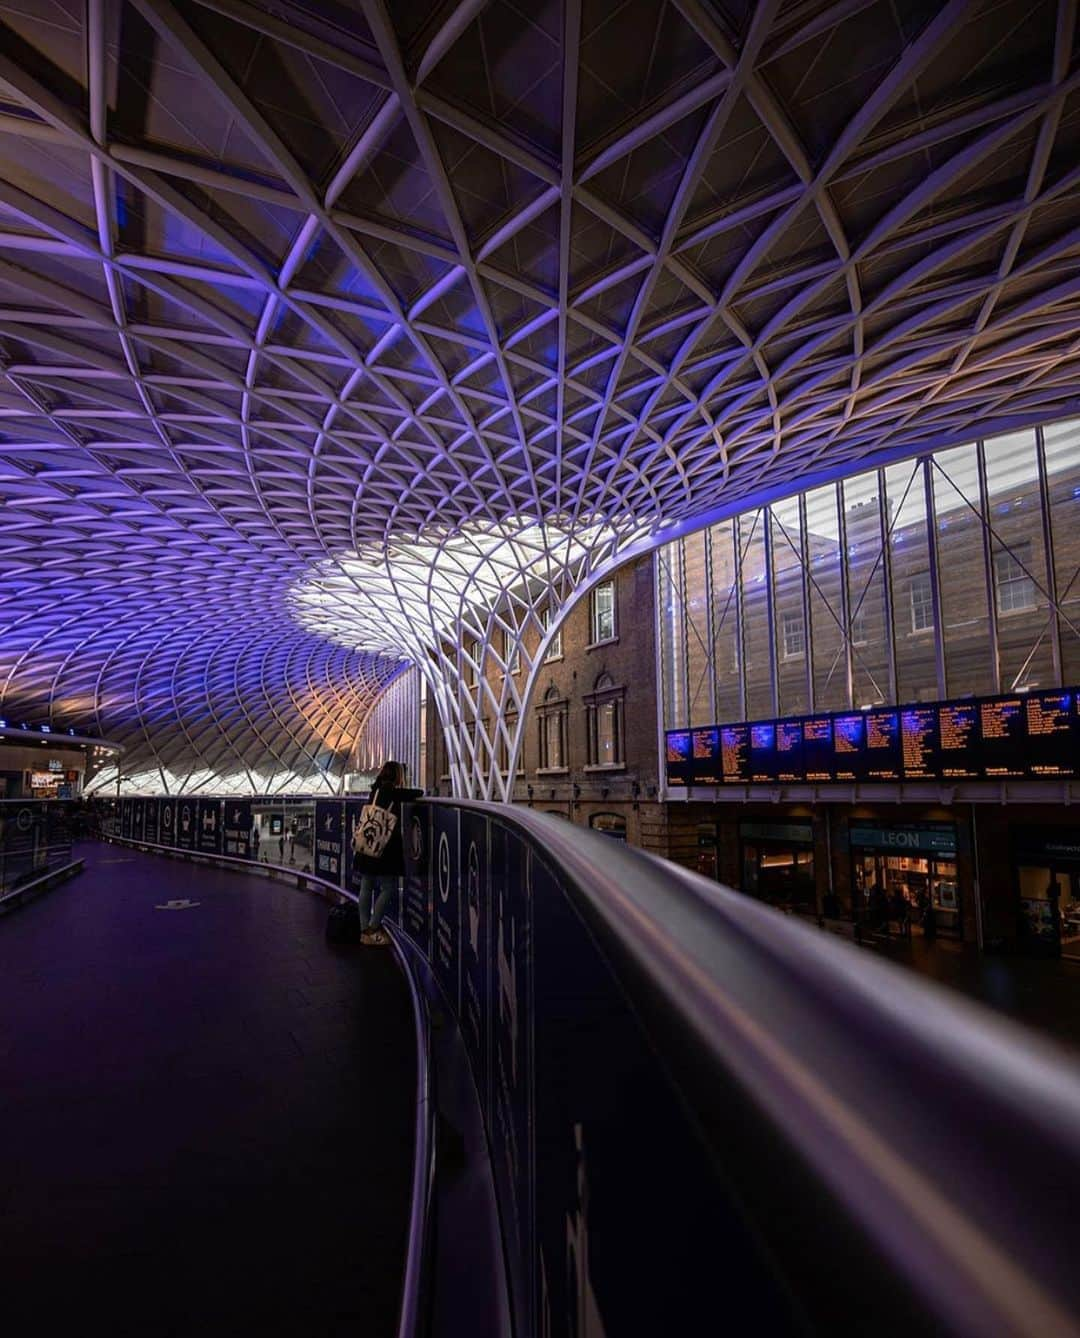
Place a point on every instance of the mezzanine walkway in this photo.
(207, 1113)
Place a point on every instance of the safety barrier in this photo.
(696, 1106)
(35, 847)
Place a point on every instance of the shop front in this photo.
(1046, 871)
(777, 864)
(904, 877)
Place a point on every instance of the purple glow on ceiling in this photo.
(275, 291)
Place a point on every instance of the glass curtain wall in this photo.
(953, 574)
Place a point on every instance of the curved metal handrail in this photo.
(413, 1319)
(854, 1062)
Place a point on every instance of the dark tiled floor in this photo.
(206, 1115)
(1041, 993)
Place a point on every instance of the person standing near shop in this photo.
(380, 872)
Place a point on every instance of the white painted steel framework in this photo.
(395, 323)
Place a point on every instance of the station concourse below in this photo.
(209, 1114)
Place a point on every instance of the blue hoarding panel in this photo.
(475, 946)
(509, 1116)
(446, 904)
(186, 823)
(416, 895)
(209, 830)
(329, 840)
(238, 822)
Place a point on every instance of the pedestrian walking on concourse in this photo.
(379, 873)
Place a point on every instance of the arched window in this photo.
(604, 714)
(611, 824)
(551, 715)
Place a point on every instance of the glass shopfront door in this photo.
(778, 864)
(905, 878)
(1047, 871)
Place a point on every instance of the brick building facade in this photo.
(590, 748)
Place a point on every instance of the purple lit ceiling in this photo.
(282, 282)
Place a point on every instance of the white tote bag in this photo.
(372, 833)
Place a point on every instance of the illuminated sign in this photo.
(1032, 736)
(679, 757)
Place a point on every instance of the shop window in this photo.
(602, 603)
(1015, 588)
(554, 650)
(604, 723)
(552, 721)
(922, 603)
(917, 889)
(794, 635)
(778, 870)
(611, 824)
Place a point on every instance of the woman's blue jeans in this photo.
(379, 888)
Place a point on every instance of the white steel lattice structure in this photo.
(395, 324)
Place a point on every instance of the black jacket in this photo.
(391, 863)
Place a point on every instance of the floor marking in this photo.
(181, 905)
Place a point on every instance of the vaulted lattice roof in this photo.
(282, 282)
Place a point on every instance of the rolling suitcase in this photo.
(343, 924)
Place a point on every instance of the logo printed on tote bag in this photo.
(373, 831)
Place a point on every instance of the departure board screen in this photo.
(1032, 736)
(817, 742)
(705, 744)
(849, 746)
(763, 765)
(789, 750)
(919, 742)
(1051, 734)
(678, 757)
(735, 754)
(883, 754)
(1003, 731)
(958, 739)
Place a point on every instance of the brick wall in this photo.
(576, 790)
